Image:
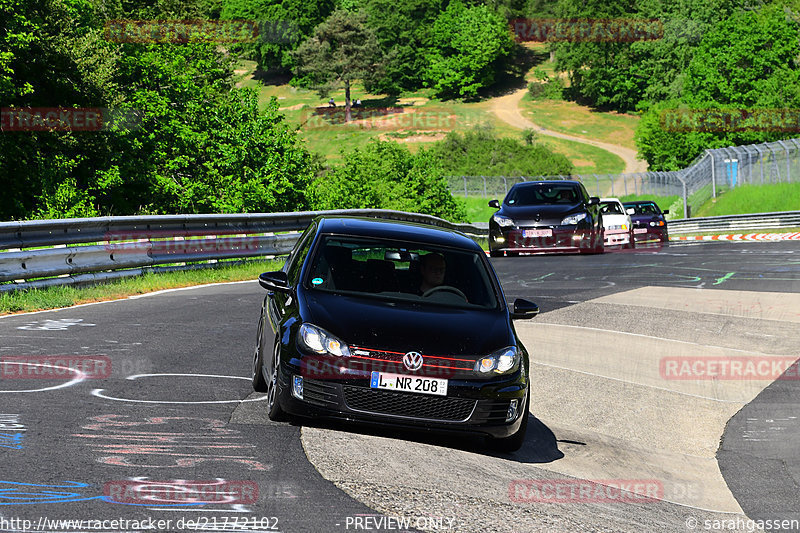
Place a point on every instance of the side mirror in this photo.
(524, 309)
(631, 211)
(494, 203)
(665, 212)
(593, 200)
(275, 281)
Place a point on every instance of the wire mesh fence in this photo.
(711, 173)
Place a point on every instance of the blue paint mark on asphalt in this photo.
(15, 493)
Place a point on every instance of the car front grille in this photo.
(408, 405)
(440, 366)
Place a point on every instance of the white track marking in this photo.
(99, 392)
(79, 376)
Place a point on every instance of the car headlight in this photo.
(503, 222)
(657, 223)
(618, 226)
(317, 340)
(574, 219)
(500, 362)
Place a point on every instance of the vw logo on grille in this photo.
(412, 360)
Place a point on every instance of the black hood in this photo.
(549, 213)
(402, 327)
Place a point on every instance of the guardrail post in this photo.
(465, 185)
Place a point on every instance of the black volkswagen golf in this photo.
(393, 323)
(546, 216)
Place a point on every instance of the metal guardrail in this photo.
(749, 222)
(42, 253)
(87, 250)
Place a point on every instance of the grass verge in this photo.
(753, 199)
(581, 121)
(66, 296)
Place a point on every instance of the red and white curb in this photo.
(742, 237)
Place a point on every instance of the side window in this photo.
(295, 262)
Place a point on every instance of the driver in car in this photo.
(432, 268)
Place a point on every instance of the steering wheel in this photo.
(448, 288)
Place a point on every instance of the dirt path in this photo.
(507, 109)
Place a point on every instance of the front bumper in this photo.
(617, 237)
(653, 233)
(563, 239)
(477, 407)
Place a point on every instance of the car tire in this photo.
(514, 441)
(631, 242)
(495, 253)
(512, 254)
(274, 389)
(259, 383)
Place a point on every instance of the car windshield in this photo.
(408, 272)
(611, 208)
(543, 193)
(644, 209)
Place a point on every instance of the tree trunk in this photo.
(347, 116)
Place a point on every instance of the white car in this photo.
(617, 223)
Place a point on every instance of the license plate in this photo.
(537, 233)
(399, 382)
(640, 230)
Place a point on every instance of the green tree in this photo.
(747, 62)
(403, 32)
(284, 25)
(468, 48)
(341, 50)
(385, 175)
(52, 54)
(619, 74)
(202, 146)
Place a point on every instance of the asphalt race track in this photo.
(141, 410)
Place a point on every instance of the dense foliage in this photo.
(469, 45)
(710, 55)
(385, 175)
(480, 152)
(284, 25)
(746, 65)
(192, 143)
